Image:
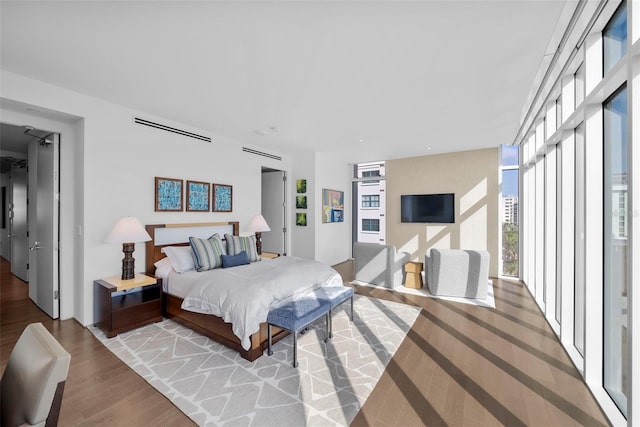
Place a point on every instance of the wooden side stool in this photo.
(414, 274)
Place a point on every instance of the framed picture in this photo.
(332, 206)
(301, 202)
(301, 185)
(197, 196)
(301, 219)
(222, 198)
(168, 195)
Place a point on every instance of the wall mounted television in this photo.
(437, 208)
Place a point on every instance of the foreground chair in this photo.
(33, 381)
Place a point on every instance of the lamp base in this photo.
(259, 242)
(128, 262)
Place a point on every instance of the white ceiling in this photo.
(381, 79)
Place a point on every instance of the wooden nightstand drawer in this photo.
(123, 305)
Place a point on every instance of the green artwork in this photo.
(301, 185)
(301, 202)
(301, 219)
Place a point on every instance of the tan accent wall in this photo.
(473, 176)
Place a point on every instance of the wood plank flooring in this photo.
(460, 365)
(100, 389)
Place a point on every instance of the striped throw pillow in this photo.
(207, 252)
(237, 244)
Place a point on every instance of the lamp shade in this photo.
(258, 225)
(128, 230)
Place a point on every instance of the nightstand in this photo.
(121, 305)
(269, 255)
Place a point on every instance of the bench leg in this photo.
(295, 349)
(329, 324)
(269, 352)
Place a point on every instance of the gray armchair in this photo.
(33, 381)
(458, 273)
(379, 264)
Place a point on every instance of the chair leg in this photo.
(54, 412)
(352, 309)
(269, 352)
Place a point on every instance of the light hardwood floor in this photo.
(460, 365)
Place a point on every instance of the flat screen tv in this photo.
(427, 208)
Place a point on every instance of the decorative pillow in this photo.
(181, 258)
(237, 244)
(207, 252)
(235, 260)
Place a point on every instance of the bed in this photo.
(178, 289)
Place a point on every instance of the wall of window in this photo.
(510, 210)
(579, 194)
(616, 249)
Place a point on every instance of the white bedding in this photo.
(243, 295)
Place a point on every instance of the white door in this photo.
(43, 224)
(273, 209)
(18, 226)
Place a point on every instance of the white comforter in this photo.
(243, 295)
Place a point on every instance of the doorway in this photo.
(273, 207)
(30, 173)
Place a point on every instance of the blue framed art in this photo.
(222, 198)
(197, 196)
(168, 195)
(332, 206)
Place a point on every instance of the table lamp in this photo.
(258, 225)
(128, 231)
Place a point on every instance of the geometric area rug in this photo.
(213, 385)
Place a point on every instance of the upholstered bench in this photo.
(296, 315)
(336, 295)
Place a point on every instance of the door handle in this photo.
(36, 246)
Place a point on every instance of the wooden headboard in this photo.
(178, 235)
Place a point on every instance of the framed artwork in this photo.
(197, 196)
(301, 202)
(332, 206)
(301, 219)
(222, 198)
(301, 185)
(168, 195)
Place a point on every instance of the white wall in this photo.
(115, 177)
(108, 165)
(303, 238)
(333, 240)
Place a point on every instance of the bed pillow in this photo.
(237, 244)
(235, 260)
(163, 262)
(207, 252)
(181, 258)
